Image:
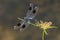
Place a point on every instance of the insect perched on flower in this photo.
(30, 15)
(44, 26)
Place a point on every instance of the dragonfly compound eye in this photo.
(23, 26)
(18, 24)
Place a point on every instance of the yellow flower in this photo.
(45, 25)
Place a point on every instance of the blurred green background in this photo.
(49, 10)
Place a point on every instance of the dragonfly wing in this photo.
(31, 12)
(17, 26)
(24, 26)
(30, 9)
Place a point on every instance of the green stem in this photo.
(53, 27)
(28, 23)
(43, 35)
(45, 32)
(20, 19)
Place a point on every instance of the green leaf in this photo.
(53, 27)
(20, 19)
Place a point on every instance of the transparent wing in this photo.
(17, 26)
(21, 26)
(31, 12)
(30, 9)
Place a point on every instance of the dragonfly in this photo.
(30, 15)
